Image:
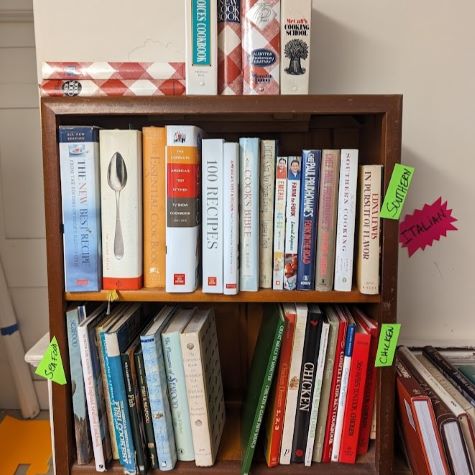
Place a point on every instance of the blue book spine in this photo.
(118, 401)
(309, 196)
(178, 396)
(159, 404)
(80, 194)
(81, 421)
(249, 214)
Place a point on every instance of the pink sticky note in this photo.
(421, 228)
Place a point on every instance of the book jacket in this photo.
(81, 207)
(279, 223)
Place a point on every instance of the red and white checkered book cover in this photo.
(261, 46)
(229, 48)
(112, 87)
(112, 70)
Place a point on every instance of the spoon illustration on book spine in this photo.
(117, 179)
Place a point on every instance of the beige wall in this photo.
(422, 49)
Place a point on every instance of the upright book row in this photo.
(317, 365)
(147, 387)
(436, 411)
(252, 218)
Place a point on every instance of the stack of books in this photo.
(436, 395)
(313, 376)
(147, 387)
(292, 220)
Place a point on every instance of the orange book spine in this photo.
(275, 422)
(154, 215)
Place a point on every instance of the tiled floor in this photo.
(22, 469)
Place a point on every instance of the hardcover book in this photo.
(145, 409)
(275, 417)
(231, 219)
(201, 47)
(292, 214)
(301, 311)
(154, 364)
(172, 355)
(261, 46)
(309, 193)
(345, 228)
(81, 207)
(229, 47)
(93, 387)
(154, 215)
(212, 215)
(264, 362)
(369, 229)
(183, 207)
(279, 223)
(121, 205)
(82, 431)
(295, 45)
(204, 386)
(327, 210)
(249, 202)
(266, 211)
(311, 348)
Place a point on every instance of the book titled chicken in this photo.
(261, 46)
(121, 204)
(183, 207)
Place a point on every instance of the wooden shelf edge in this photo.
(263, 295)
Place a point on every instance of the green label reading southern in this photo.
(201, 32)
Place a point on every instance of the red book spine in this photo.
(334, 393)
(369, 395)
(276, 423)
(354, 398)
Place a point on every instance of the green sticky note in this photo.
(51, 366)
(387, 344)
(397, 191)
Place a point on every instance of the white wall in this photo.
(22, 243)
(422, 49)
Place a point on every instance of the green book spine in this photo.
(468, 371)
(263, 366)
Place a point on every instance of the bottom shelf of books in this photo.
(230, 387)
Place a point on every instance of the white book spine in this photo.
(121, 208)
(279, 223)
(231, 219)
(296, 22)
(90, 389)
(196, 391)
(212, 215)
(322, 352)
(345, 374)
(292, 215)
(183, 162)
(293, 385)
(266, 224)
(368, 249)
(345, 231)
(201, 47)
(249, 228)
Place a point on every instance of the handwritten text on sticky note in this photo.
(387, 344)
(51, 366)
(397, 191)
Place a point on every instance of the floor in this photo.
(23, 469)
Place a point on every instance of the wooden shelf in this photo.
(263, 295)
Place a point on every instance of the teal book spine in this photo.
(177, 394)
(159, 404)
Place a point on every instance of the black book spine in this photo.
(147, 413)
(137, 434)
(311, 346)
(451, 373)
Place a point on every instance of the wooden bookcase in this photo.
(370, 123)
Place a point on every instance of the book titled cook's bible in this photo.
(263, 366)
